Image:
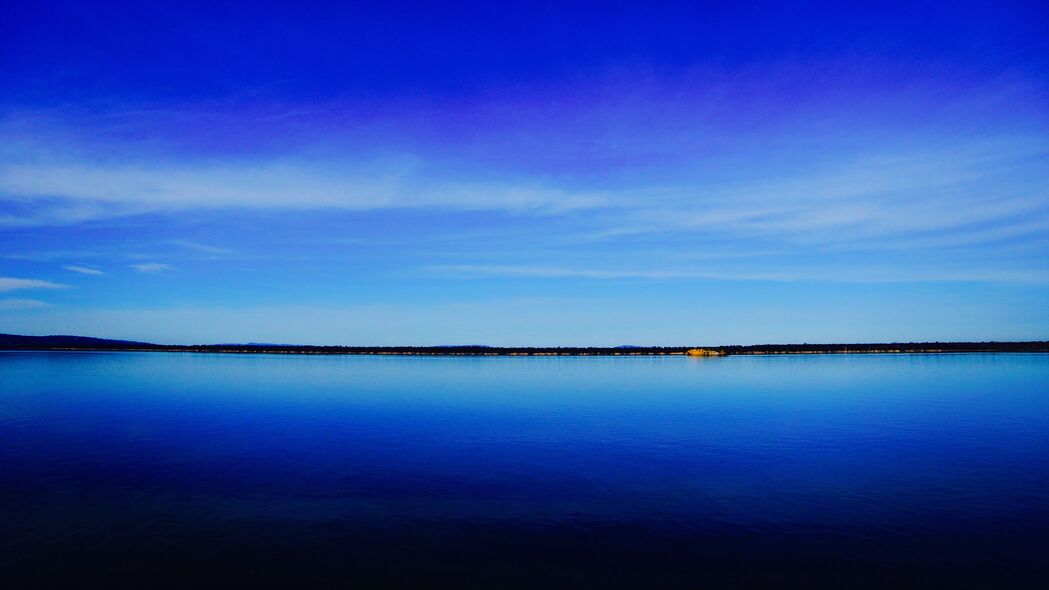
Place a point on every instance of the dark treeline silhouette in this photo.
(15, 342)
(887, 347)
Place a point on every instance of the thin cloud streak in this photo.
(16, 284)
(202, 248)
(814, 275)
(78, 192)
(152, 267)
(84, 270)
(16, 304)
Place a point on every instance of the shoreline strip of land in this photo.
(82, 343)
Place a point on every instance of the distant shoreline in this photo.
(80, 343)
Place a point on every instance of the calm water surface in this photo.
(195, 470)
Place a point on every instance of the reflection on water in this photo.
(183, 470)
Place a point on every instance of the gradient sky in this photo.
(479, 173)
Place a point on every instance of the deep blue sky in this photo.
(606, 173)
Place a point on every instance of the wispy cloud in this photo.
(9, 304)
(881, 191)
(202, 248)
(550, 272)
(152, 267)
(891, 195)
(856, 275)
(81, 191)
(14, 284)
(84, 270)
(667, 184)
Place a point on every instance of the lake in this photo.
(216, 470)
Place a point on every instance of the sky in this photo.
(544, 174)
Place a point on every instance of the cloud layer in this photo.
(849, 191)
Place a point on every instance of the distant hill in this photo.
(61, 341)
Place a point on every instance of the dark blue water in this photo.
(192, 470)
